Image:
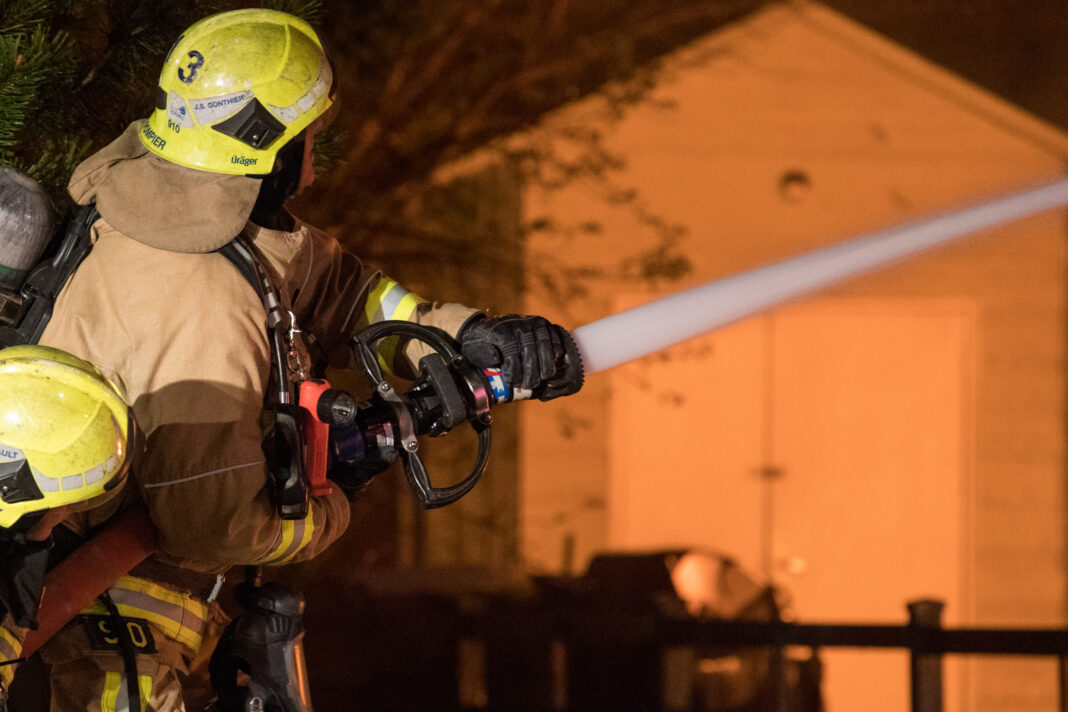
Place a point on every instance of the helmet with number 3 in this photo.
(64, 431)
(237, 87)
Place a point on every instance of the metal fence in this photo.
(924, 637)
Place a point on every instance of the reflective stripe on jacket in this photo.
(10, 649)
(177, 615)
(115, 697)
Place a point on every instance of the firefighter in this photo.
(64, 436)
(155, 307)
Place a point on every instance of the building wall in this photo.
(798, 129)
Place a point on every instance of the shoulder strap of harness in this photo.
(288, 351)
(282, 443)
(243, 260)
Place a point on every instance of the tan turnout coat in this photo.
(184, 335)
(178, 328)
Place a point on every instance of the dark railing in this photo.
(923, 637)
(619, 638)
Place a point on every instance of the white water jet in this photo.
(653, 327)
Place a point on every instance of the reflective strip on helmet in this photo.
(388, 301)
(10, 649)
(178, 615)
(116, 698)
(291, 113)
(296, 534)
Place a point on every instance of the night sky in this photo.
(1018, 49)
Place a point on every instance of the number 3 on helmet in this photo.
(64, 430)
(236, 87)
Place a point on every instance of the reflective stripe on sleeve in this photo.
(388, 300)
(10, 649)
(115, 697)
(296, 534)
(10, 646)
(180, 616)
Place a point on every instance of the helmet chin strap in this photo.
(278, 186)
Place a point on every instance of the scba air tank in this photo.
(26, 224)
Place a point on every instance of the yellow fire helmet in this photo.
(237, 87)
(64, 430)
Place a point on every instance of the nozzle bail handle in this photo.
(414, 469)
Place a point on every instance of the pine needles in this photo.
(37, 67)
(74, 74)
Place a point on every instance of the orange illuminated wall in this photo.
(918, 414)
(825, 446)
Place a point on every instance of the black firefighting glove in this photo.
(532, 353)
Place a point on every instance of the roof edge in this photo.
(930, 75)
